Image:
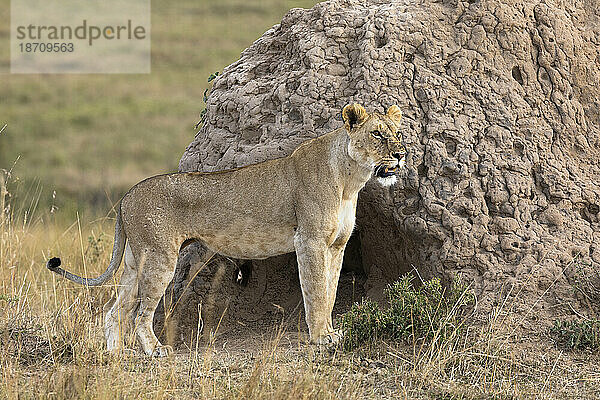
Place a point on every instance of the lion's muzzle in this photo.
(391, 166)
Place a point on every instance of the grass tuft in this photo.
(577, 335)
(427, 313)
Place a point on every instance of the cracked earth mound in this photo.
(501, 103)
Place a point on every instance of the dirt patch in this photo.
(501, 101)
(227, 297)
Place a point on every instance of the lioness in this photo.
(305, 202)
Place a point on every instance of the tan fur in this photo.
(305, 202)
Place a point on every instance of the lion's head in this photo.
(375, 140)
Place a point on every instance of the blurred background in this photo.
(76, 143)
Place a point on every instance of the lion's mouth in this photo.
(389, 167)
(383, 171)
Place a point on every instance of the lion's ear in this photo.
(353, 115)
(394, 114)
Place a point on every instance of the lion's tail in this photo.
(53, 264)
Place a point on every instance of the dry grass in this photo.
(51, 343)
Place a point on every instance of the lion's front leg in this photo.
(337, 258)
(314, 262)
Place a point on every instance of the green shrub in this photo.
(362, 323)
(580, 335)
(424, 313)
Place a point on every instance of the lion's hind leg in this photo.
(120, 316)
(157, 271)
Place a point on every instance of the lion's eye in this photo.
(377, 134)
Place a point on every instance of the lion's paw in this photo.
(128, 352)
(162, 351)
(329, 338)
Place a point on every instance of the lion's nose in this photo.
(399, 159)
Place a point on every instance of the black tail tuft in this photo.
(53, 263)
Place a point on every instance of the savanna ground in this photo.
(71, 147)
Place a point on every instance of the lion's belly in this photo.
(251, 245)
